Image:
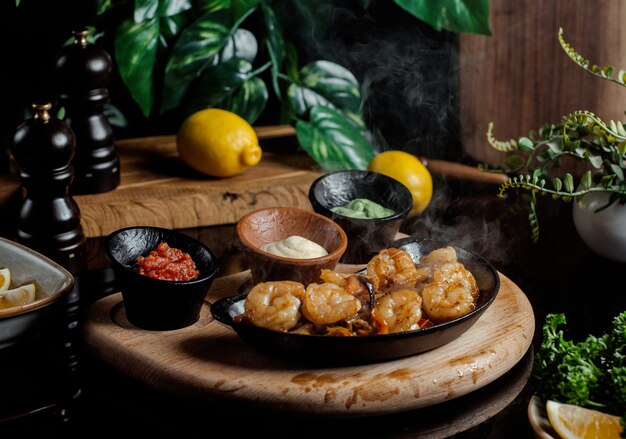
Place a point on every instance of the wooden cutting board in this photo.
(158, 189)
(209, 361)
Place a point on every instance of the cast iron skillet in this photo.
(330, 350)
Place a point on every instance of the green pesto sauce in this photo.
(363, 208)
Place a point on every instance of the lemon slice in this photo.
(17, 296)
(574, 422)
(5, 279)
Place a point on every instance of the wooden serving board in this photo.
(209, 361)
(158, 189)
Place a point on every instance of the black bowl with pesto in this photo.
(366, 236)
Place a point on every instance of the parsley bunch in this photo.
(590, 373)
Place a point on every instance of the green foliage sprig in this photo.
(532, 162)
(590, 373)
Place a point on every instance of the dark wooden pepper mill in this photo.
(82, 71)
(49, 219)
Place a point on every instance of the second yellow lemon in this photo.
(218, 143)
(410, 171)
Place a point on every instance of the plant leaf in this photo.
(453, 15)
(104, 5)
(171, 27)
(525, 144)
(242, 44)
(193, 52)
(225, 86)
(275, 43)
(568, 182)
(241, 7)
(585, 180)
(365, 3)
(149, 9)
(145, 10)
(333, 141)
(248, 100)
(208, 6)
(114, 115)
(326, 83)
(596, 161)
(135, 54)
(619, 172)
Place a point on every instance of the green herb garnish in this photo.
(590, 373)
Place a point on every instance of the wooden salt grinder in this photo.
(83, 71)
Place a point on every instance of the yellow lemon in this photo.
(574, 422)
(5, 279)
(218, 143)
(410, 171)
(17, 296)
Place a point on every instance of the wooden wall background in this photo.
(520, 78)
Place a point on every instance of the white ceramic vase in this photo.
(604, 232)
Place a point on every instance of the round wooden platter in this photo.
(209, 361)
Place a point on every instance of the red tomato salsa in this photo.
(167, 263)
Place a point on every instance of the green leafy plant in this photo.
(590, 373)
(176, 57)
(533, 162)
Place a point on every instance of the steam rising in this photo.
(408, 75)
(466, 228)
(409, 78)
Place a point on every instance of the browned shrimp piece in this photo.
(357, 285)
(398, 311)
(328, 303)
(392, 269)
(436, 258)
(452, 293)
(274, 305)
(334, 277)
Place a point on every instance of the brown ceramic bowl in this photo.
(263, 226)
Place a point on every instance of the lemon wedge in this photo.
(5, 279)
(19, 296)
(574, 422)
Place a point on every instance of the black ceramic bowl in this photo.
(366, 237)
(53, 283)
(329, 350)
(152, 303)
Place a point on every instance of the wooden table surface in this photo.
(158, 189)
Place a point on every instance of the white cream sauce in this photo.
(295, 247)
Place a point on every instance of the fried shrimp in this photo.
(436, 258)
(328, 303)
(357, 285)
(452, 293)
(392, 269)
(334, 277)
(274, 305)
(398, 311)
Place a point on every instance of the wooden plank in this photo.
(208, 361)
(158, 189)
(520, 79)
